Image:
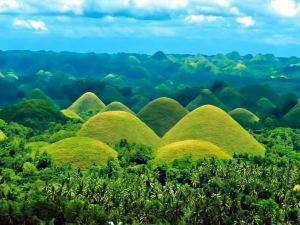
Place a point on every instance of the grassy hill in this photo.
(265, 107)
(71, 115)
(111, 127)
(87, 105)
(2, 136)
(292, 118)
(194, 148)
(116, 106)
(162, 114)
(230, 97)
(206, 97)
(209, 123)
(80, 151)
(244, 117)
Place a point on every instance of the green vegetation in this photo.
(244, 117)
(34, 113)
(2, 136)
(71, 115)
(111, 127)
(114, 169)
(80, 151)
(162, 114)
(206, 97)
(87, 105)
(190, 148)
(292, 118)
(116, 106)
(209, 123)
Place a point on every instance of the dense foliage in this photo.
(245, 190)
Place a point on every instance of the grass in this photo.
(194, 148)
(111, 127)
(209, 123)
(265, 107)
(206, 97)
(2, 136)
(116, 106)
(36, 145)
(162, 114)
(80, 151)
(88, 103)
(297, 187)
(244, 117)
(230, 97)
(71, 115)
(292, 118)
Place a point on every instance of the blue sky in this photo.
(146, 26)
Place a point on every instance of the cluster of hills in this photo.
(163, 124)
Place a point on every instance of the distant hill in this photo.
(87, 105)
(116, 106)
(244, 117)
(162, 114)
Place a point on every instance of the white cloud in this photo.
(159, 4)
(8, 5)
(196, 19)
(287, 8)
(246, 21)
(235, 11)
(36, 25)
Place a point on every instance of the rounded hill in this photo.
(162, 114)
(111, 127)
(80, 151)
(190, 148)
(206, 97)
(230, 97)
(116, 106)
(244, 117)
(209, 123)
(265, 107)
(292, 118)
(87, 105)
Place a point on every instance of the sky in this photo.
(147, 26)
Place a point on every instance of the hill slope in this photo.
(116, 106)
(80, 151)
(194, 148)
(71, 115)
(162, 114)
(209, 123)
(87, 105)
(292, 118)
(206, 97)
(111, 127)
(244, 117)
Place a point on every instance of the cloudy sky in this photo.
(146, 26)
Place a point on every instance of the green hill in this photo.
(116, 106)
(39, 94)
(230, 97)
(111, 94)
(244, 117)
(264, 107)
(87, 105)
(194, 148)
(162, 114)
(111, 127)
(80, 151)
(206, 97)
(209, 123)
(2, 136)
(292, 118)
(138, 102)
(71, 115)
